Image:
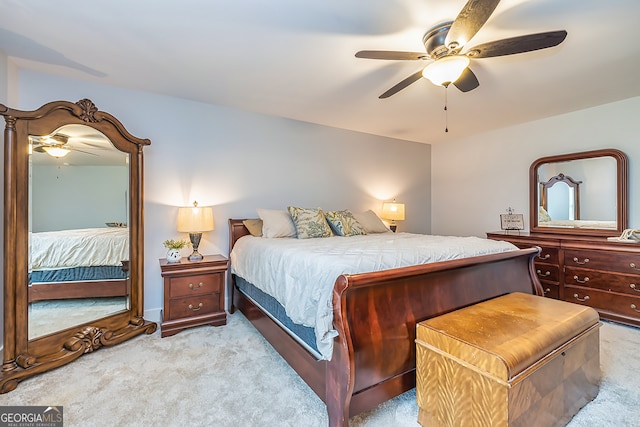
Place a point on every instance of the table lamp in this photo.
(194, 220)
(393, 211)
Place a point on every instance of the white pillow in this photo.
(370, 221)
(276, 223)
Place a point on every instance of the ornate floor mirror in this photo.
(73, 236)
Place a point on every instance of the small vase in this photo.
(173, 255)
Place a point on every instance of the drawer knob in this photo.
(545, 256)
(546, 291)
(586, 298)
(192, 308)
(634, 308)
(577, 279)
(634, 287)
(633, 265)
(546, 273)
(577, 261)
(196, 287)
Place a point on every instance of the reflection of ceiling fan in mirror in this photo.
(60, 144)
(445, 42)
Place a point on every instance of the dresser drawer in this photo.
(612, 282)
(193, 306)
(548, 255)
(550, 290)
(622, 262)
(547, 272)
(196, 285)
(625, 305)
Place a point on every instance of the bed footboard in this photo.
(376, 314)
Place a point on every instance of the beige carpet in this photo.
(230, 376)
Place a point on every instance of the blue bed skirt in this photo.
(276, 310)
(78, 274)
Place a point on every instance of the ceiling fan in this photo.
(444, 44)
(57, 145)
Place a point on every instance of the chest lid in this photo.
(505, 335)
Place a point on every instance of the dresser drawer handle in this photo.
(577, 279)
(192, 308)
(586, 298)
(633, 265)
(633, 286)
(547, 273)
(577, 261)
(546, 256)
(546, 291)
(634, 308)
(196, 287)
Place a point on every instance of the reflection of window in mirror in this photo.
(561, 202)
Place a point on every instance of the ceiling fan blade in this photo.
(391, 54)
(404, 83)
(471, 18)
(467, 81)
(82, 151)
(519, 44)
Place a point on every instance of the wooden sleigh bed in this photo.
(84, 263)
(375, 315)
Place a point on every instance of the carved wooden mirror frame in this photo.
(23, 357)
(621, 192)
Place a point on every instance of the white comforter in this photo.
(300, 273)
(81, 247)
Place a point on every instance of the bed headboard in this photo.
(236, 231)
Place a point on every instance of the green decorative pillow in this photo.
(309, 223)
(344, 224)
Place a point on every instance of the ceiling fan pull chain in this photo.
(446, 111)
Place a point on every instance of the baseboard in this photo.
(153, 315)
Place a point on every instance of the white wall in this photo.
(238, 161)
(476, 179)
(73, 196)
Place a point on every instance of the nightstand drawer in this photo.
(193, 306)
(196, 285)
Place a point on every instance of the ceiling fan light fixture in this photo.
(56, 151)
(445, 70)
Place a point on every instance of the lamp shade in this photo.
(393, 211)
(446, 70)
(195, 219)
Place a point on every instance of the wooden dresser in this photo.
(193, 293)
(592, 271)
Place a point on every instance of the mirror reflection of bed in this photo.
(79, 240)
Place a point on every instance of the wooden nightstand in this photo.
(194, 293)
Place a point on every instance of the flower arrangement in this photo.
(175, 244)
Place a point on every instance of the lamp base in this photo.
(393, 228)
(195, 242)
(195, 256)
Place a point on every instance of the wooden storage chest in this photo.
(515, 360)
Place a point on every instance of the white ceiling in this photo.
(295, 58)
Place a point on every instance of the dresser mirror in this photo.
(73, 236)
(579, 193)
